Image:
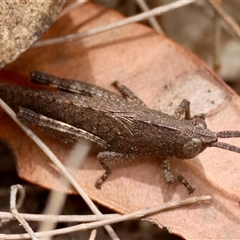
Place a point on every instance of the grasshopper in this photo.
(119, 127)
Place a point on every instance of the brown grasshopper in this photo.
(119, 127)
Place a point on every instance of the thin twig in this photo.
(13, 209)
(58, 163)
(227, 18)
(93, 234)
(152, 20)
(203, 9)
(216, 42)
(14, 190)
(154, 12)
(57, 199)
(70, 7)
(58, 218)
(131, 216)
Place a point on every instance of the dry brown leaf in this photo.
(161, 73)
(22, 23)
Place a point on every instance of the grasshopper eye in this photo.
(192, 147)
(199, 123)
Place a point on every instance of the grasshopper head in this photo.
(194, 138)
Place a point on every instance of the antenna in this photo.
(227, 134)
